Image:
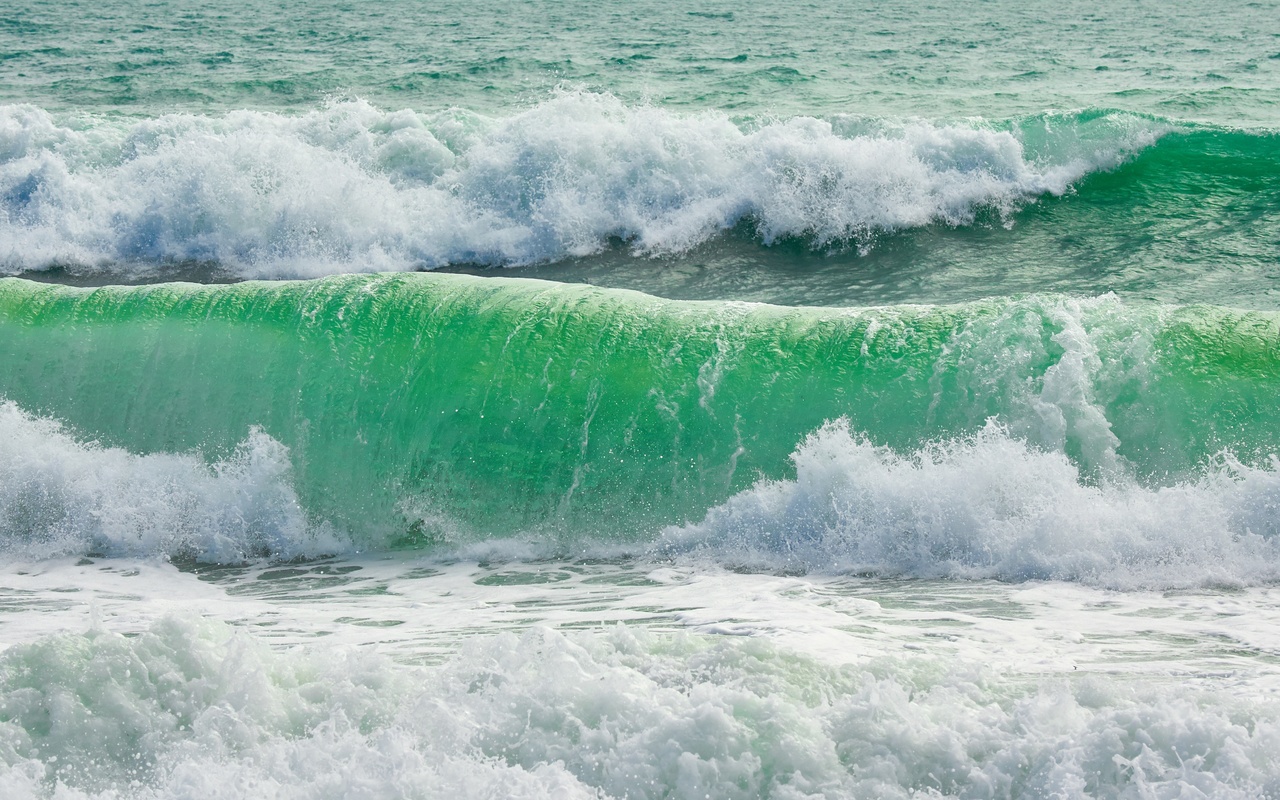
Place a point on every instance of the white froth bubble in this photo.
(990, 505)
(191, 709)
(60, 496)
(349, 187)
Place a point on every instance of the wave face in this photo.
(194, 709)
(352, 188)
(444, 410)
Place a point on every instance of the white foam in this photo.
(989, 505)
(352, 188)
(192, 709)
(61, 496)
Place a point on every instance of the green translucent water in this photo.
(429, 406)
(982, 503)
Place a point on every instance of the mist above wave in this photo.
(349, 187)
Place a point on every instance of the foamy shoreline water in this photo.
(767, 686)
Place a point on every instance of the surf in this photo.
(351, 187)
(440, 411)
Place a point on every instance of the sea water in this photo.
(582, 400)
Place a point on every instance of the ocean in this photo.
(595, 400)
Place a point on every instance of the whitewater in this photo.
(272, 196)
(568, 400)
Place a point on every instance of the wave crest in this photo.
(350, 187)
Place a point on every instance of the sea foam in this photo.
(349, 187)
(192, 709)
(990, 505)
(63, 496)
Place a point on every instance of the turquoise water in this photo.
(561, 399)
(1212, 62)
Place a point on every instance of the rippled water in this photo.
(1201, 61)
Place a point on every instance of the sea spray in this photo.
(990, 506)
(350, 187)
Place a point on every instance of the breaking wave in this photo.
(350, 187)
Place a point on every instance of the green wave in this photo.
(429, 407)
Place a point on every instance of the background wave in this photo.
(352, 188)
